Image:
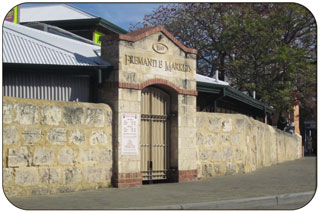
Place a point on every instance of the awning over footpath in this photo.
(222, 88)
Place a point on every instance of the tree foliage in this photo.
(267, 48)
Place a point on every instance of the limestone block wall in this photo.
(51, 146)
(187, 140)
(129, 102)
(232, 143)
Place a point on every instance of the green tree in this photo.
(267, 48)
(199, 26)
(274, 53)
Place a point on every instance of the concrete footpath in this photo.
(289, 185)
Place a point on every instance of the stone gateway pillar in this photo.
(152, 91)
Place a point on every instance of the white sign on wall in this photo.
(130, 134)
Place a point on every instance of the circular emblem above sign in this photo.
(160, 48)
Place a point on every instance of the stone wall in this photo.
(51, 146)
(232, 143)
(187, 141)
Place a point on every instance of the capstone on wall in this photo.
(51, 146)
(228, 144)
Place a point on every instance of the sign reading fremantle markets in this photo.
(130, 127)
(157, 63)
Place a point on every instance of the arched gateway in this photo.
(155, 134)
(152, 90)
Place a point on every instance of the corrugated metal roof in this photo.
(25, 45)
(52, 13)
(206, 79)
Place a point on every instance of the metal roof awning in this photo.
(228, 91)
(25, 45)
(30, 50)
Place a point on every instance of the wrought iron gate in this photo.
(154, 134)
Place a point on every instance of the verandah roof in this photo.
(221, 87)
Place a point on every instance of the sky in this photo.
(120, 14)
(123, 14)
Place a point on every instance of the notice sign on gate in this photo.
(129, 136)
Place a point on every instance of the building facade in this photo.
(146, 127)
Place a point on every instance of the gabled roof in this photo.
(52, 12)
(24, 45)
(144, 32)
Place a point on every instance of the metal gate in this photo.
(154, 134)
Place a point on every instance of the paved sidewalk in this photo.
(294, 178)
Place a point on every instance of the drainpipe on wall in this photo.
(99, 76)
(265, 115)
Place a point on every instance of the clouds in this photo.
(121, 14)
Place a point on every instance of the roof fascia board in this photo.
(209, 90)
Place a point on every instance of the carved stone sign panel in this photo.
(156, 63)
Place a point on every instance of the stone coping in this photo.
(144, 32)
